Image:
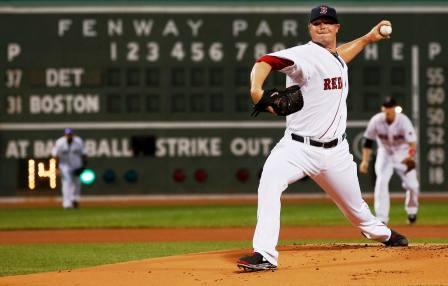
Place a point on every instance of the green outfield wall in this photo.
(160, 93)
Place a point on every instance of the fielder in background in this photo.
(70, 153)
(396, 140)
(314, 143)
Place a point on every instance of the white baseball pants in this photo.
(332, 169)
(384, 169)
(71, 188)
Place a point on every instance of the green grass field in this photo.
(30, 258)
(313, 214)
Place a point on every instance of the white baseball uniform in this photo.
(70, 159)
(323, 79)
(392, 140)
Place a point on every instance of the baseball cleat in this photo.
(396, 240)
(412, 219)
(254, 262)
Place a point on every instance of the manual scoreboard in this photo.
(161, 96)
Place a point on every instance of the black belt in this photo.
(329, 144)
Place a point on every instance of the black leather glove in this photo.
(284, 102)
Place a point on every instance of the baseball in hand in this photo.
(385, 30)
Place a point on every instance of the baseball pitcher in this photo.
(314, 142)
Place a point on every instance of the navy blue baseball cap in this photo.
(389, 102)
(323, 11)
(68, 131)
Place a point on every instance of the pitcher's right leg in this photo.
(340, 182)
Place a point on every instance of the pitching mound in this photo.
(336, 264)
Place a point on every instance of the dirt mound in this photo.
(329, 264)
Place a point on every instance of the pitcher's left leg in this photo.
(279, 171)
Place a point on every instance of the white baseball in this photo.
(385, 30)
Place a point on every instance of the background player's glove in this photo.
(410, 164)
(364, 167)
(78, 171)
(284, 102)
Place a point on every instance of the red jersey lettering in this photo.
(333, 83)
(327, 82)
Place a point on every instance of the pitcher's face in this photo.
(323, 31)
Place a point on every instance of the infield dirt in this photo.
(332, 264)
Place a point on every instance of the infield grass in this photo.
(306, 214)
(32, 258)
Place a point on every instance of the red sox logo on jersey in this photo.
(333, 83)
(323, 9)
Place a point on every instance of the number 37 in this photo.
(13, 78)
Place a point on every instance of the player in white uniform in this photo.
(396, 140)
(70, 153)
(314, 142)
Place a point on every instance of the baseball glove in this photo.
(284, 102)
(410, 164)
(78, 171)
